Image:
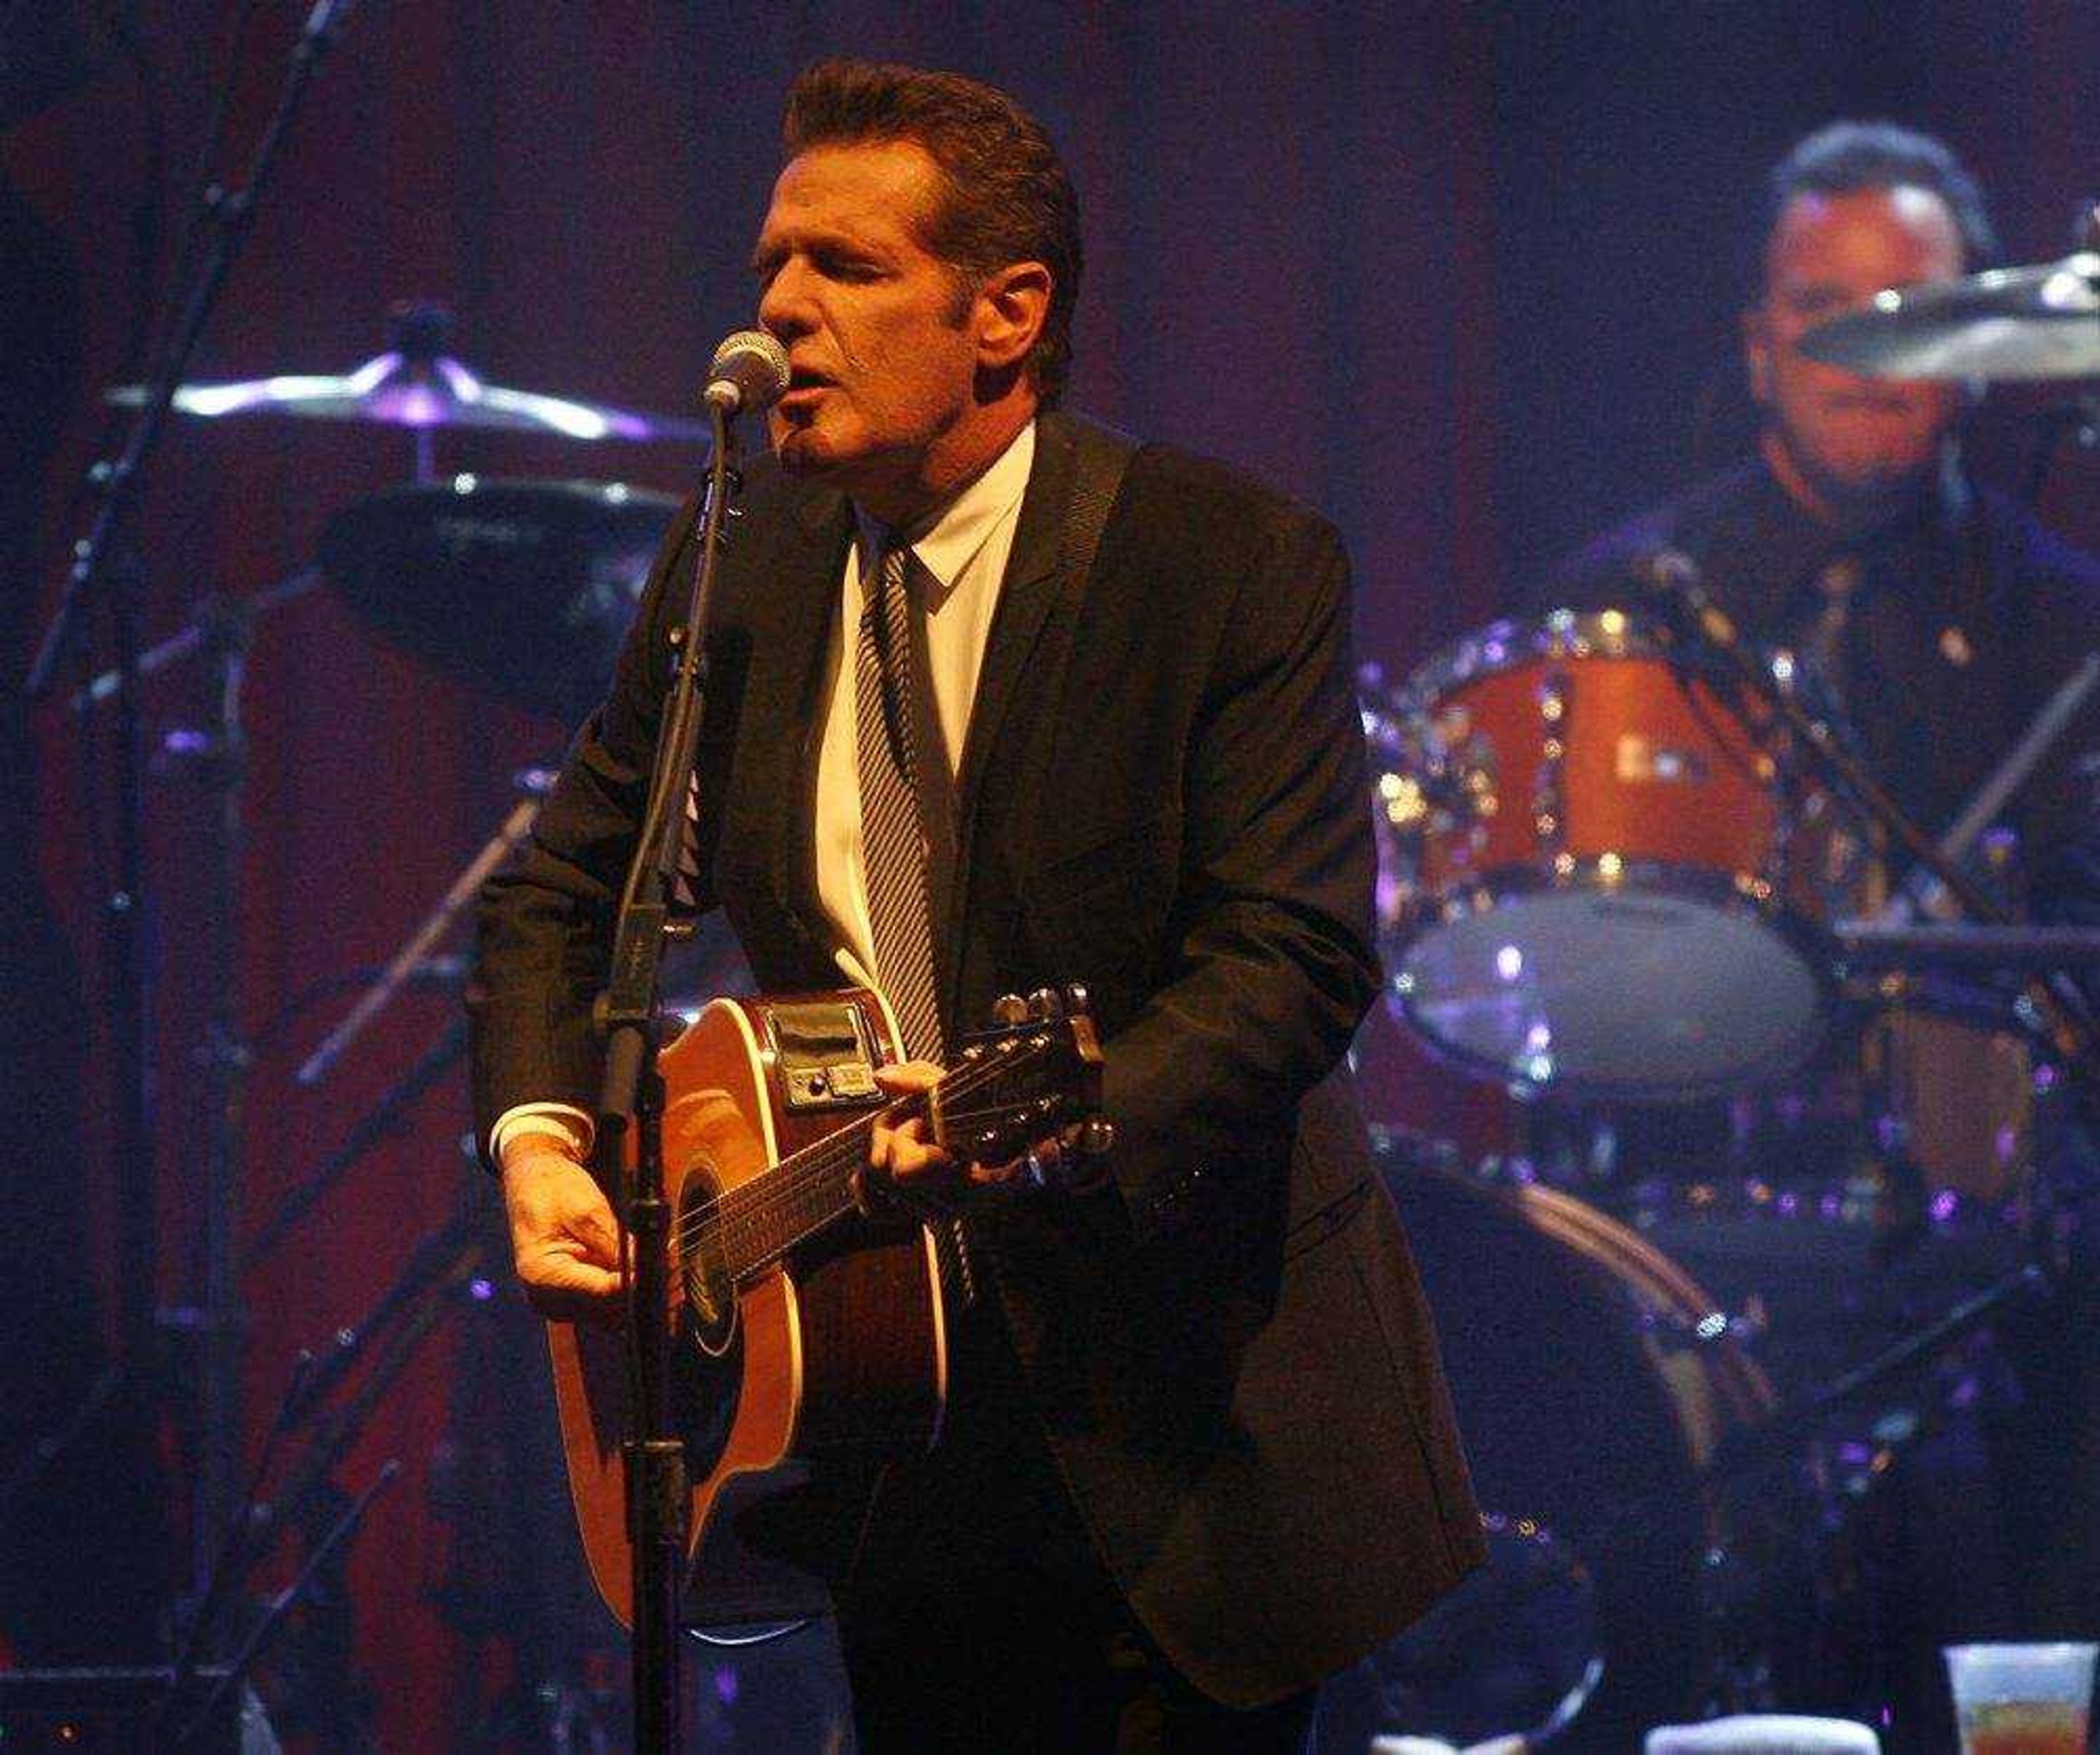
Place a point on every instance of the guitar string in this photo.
(741, 1236)
(962, 1080)
(761, 1234)
(738, 1211)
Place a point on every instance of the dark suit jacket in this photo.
(1162, 794)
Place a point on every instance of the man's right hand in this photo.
(563, 1238)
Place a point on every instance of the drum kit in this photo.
(1786, 1144)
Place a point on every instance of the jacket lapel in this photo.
(795, 600)
(1035, 577)
(1034, 572)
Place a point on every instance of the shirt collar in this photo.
(959, 531)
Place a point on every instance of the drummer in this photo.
(1932, 613)
(1932, 616)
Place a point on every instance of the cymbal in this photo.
(519, 589)
(391, 389)
(2035, 323)
(417, 383)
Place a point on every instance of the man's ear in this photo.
(1757, 354)
(1012, 305)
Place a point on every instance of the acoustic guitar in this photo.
(802, 1329)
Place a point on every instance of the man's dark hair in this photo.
(1846, 156)
(1006, 198)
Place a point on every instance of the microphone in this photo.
(1672, 578)
(749, 371)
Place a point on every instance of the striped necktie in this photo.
(896, 846)
(894, 842)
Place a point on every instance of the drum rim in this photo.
(1569, 634)
(1803, 938)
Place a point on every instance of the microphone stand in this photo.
(629, 1152)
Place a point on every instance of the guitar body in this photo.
(838, 1348)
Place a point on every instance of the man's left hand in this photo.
(899, 1153)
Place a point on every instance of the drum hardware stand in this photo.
(385, 1118)
(1739, 1452)
(408, 964)
(180, 645)
(440, 1266)
(511, 1582)
(413, 954)
(1673, 579)
(323, 1556)
(1920, 892)
(105, 564)
(217, 1325)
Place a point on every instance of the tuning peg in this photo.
(1009, 1009)
(1095, 1138)
(1045, 1004)
(1077, 1001)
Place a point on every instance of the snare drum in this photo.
(1586, 857)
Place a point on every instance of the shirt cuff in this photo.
(563, 1119)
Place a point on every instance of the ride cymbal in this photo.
(2033, 324)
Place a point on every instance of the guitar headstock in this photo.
(1034, 1075)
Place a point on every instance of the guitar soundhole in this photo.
(710, 1289)
(708, 1365)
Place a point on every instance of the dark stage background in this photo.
(1464, 276)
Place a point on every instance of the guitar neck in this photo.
(1008, 1088)
(805, 1194)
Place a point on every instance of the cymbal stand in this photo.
(104, 564)
(385, 1117)
(215, 1325)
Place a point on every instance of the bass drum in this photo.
(1594, 1381)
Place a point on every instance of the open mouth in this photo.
(804, 388)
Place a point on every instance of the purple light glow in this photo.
(414, 405)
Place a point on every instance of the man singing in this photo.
(1198, 1453)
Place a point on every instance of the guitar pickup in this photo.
(823, 1053)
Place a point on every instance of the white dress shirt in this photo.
(962, 556)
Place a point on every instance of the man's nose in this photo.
(784, 309)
